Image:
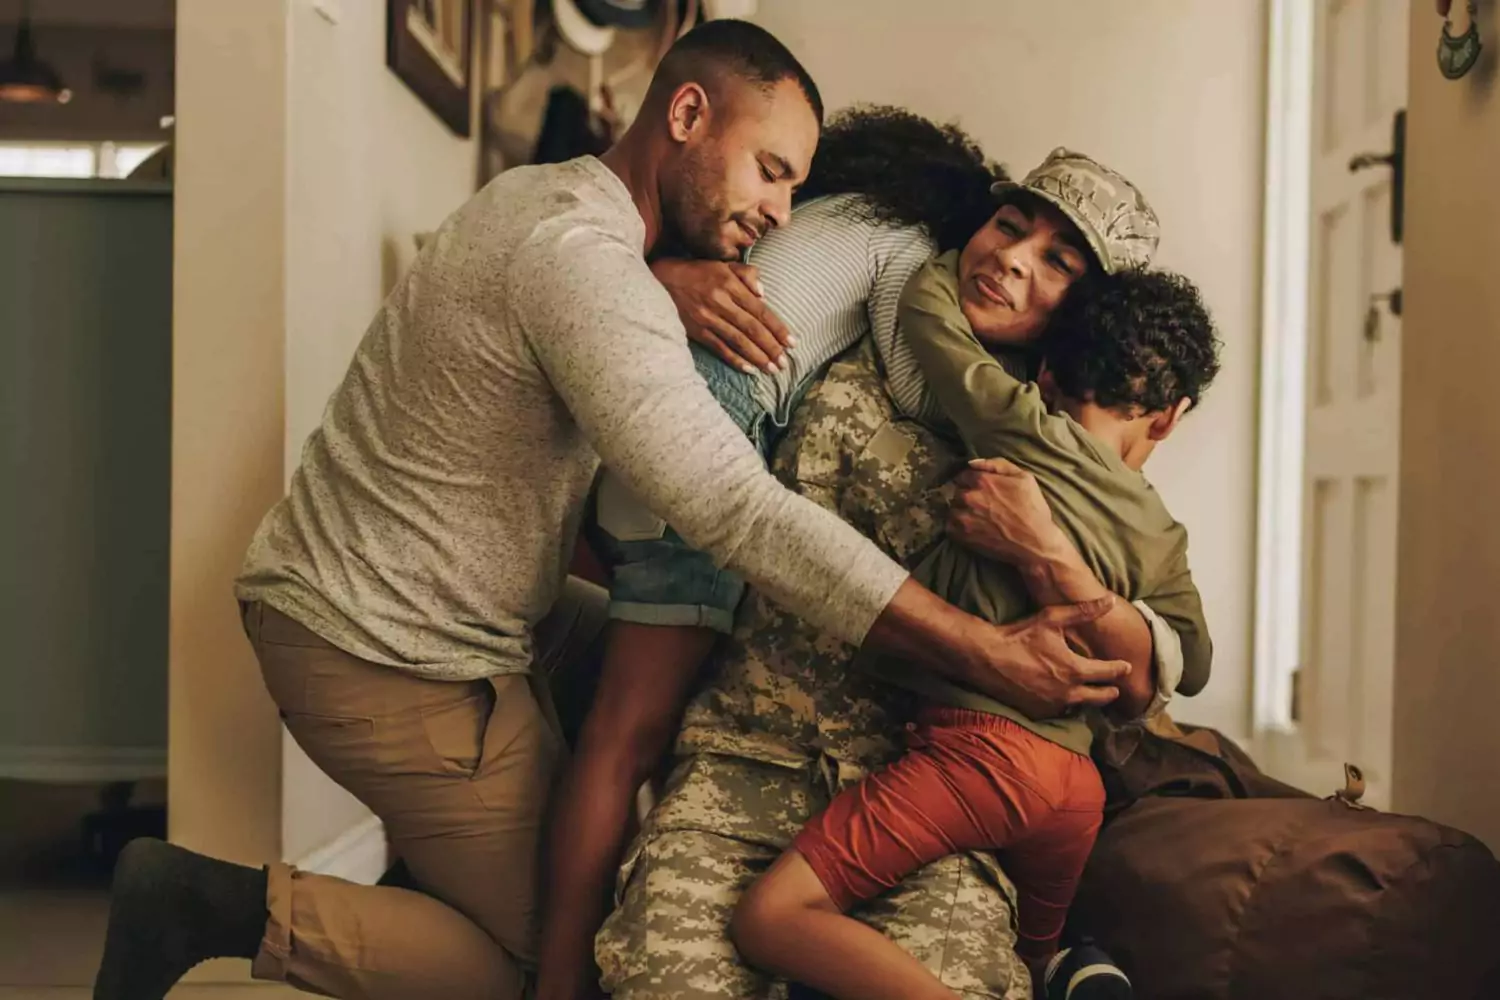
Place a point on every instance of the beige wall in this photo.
(304, 168)
(367, 166)
(1171, 92)
(1447, 740)
(224, 741)
(298, 196)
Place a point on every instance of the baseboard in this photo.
(68, 765)
(358, 854)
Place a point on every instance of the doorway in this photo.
(1329, 457)
(85, 456)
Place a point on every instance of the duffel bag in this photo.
(1291, 898)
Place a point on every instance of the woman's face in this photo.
(1013, 273)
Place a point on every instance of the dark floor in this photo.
(64, 836)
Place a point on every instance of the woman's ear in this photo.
(1166, 421)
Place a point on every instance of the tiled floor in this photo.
(51, 937)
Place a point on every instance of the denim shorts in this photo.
(657, 578)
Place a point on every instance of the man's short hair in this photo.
(718, 50)
(1140, 340)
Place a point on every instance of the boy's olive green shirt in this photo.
(1113, 516)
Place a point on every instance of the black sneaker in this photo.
(1086, 972)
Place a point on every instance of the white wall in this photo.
(303, 169)
(228, 311)
(367, 166)
(1170, 92)
(1447, 742)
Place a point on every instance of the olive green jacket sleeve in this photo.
(989, 406)
(1110, 512)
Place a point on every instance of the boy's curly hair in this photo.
(1140, 341)
(912, 171)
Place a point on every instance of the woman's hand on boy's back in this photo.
(1000, 513)
(723, 308)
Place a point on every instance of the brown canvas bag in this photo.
(1212, 881)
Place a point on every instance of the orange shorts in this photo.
(970, 781)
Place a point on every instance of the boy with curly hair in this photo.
(1125, 357)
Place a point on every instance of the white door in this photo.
(1343, 685)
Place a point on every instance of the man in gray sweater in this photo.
(396, 597)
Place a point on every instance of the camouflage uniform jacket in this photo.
(783, 692)
(783, 723)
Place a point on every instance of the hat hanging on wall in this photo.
(589, 25)
(620, 13)
(578, 31)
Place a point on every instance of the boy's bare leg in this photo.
(787, 924)
(644, 683)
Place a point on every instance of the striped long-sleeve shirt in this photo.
(833, 276)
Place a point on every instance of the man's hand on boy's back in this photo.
(723, 307)
(1000, 513)
(1044, 676)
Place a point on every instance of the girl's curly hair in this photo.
(1138, 341)
(912, 172)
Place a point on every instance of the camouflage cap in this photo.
(1121, 228)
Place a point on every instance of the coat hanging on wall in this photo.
(569, 129)
(604, 51)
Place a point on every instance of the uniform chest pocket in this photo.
(897, 492)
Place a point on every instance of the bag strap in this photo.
(1353, 790)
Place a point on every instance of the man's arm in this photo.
(608, 339)
(1001, 514)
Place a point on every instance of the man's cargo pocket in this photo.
(695, 878)
(957, 917)
(455, 728)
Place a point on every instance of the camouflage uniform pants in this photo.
(720, 825)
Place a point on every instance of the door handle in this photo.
(1365, 161)
(1392, 300)
(1396, 160)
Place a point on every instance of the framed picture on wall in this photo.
(428, 44)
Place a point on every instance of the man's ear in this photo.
(1166, 421)
(687, 111)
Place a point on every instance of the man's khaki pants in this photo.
(459, 773)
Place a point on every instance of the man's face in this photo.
(1016, 270)
(736, 169)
